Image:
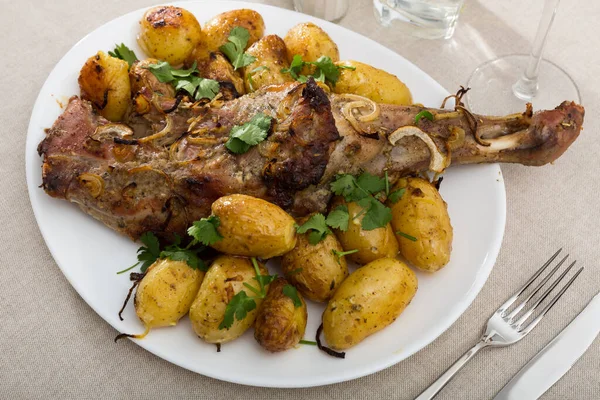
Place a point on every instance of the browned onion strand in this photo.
(326, 349)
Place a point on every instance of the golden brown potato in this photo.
(224, 279)
(311, 42)
(253, 227)
(370, 299)
(372, 83)
(271, 57)
(371, 245)
(315, 269)
(280, 324)
(217, 29)
(166, 292)
(169, 33)
(104, 81)
(422, 214)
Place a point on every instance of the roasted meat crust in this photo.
(163, 169)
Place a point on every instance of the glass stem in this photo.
(527, 86)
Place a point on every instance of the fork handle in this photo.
(443, 380)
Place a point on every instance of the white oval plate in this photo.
(89, 254)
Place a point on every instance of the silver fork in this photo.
(502, 328)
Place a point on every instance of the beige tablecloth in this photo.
(52, 345)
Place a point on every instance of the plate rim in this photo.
(481, 277)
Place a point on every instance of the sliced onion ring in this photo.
(438, 161)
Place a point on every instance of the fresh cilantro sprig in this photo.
(396, 195)
(205, 230)
(243, 137)
(239, 306)
(123, 52)
(184, 79)
(339, 218)
(325, 69)
(151, 252)
(317, 225)
(366, 189)
(291, 292)
(241, 303)
(234, 48)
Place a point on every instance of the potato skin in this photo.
(218, 67)
(371, 245)
(423, 214)
(311, 42)
(224, 279)
(372, 83)
(217, 29)
(270, 52)
(166, 292)
(370, 299)
(279, 324)
(104, 81)
(322, 272)
(253, 227)
(169, 33)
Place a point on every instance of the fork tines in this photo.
(519, 324)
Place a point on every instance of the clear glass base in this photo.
(492, 85)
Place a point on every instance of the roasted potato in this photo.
(370, 299)
(372, 83)
(253, 227)
(280, 324)
(422, 214)
(371, 245)
(217, 29)
(311, 42)
(104, 81)
(271, 57)
(169, 33)
(315, 269)
(166, 292)
(224, 279)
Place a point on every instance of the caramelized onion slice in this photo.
(438, 161)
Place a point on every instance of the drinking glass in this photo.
(506, 84)
(428, 19)
(330, 10)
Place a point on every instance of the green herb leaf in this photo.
(234, 49)
(190, 256)
(376, 216)
(344, 185)
(407, 236)
(242, 137)
(149, 253)
(318, 227)
(396, 195)
(239, 306)
(264, 280)
(205, 230)
(295, 67)
(370, 183)
(292, 293)
(325, 69)
(184, 79)
(423, 114)
(339, 218)
(124, 53)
